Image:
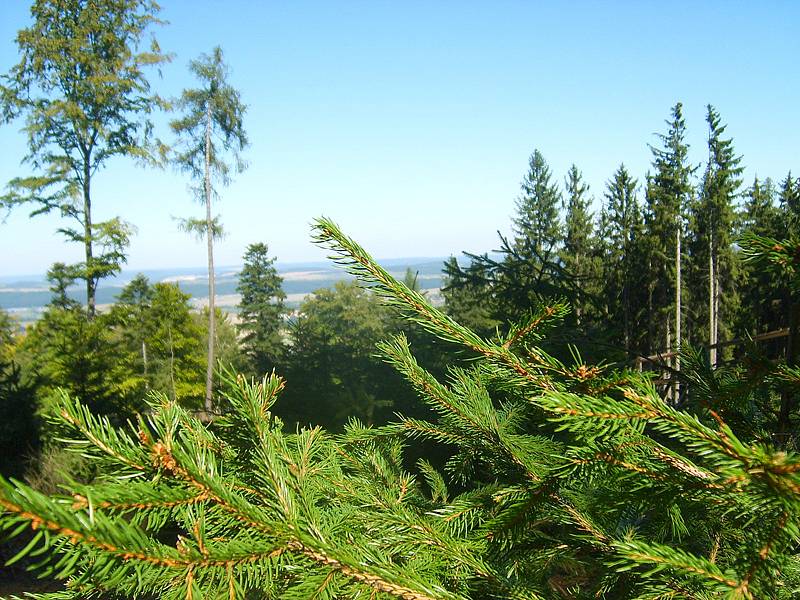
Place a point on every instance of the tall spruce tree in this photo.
(622, 264)
(537, 225)
(81, 86)
(711, 244)
(789, 196)
(211, 137)
(261, 309)
(530, 268)
(577, 255)
(761, 295)
(668, 194)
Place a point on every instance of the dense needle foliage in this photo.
(563, 481)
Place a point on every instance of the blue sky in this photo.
(410, 123)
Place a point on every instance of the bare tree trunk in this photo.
(677, 309)
(651, 320)
(716, 301)
(712, 334)
(171, 363)
(211, 287)
(670, 386)
(785, 432)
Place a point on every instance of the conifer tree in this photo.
(531, 268)
(468, 295)
(210, 133)
(564, 480)
(537, 225)
(81, 86)
(577, 254)
(668, 194)
(761, 295)
(261, 309)
(711, 243)
(622, 262)
(789, 196)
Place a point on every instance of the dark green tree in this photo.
(668, 194)
(577, 254)
(334, 373)
(81, 87)
(210, 138)
(18, 425)
(468, 295)
(261, 310)
(761, 295)
(538, 231)
(67, 350)
(789, 197)
(622, 261)
(711, 244)
(497, 291)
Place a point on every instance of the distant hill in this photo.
(26, 296)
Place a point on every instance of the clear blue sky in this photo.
(410, 123)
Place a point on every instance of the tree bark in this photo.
(712, 334)
(788, 396)
(211, 282)
(677, 364)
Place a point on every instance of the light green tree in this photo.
(210, 136)
(81, 87)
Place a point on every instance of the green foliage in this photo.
(468, 296)
(81, 86)
(61, 278)
(18, 426)
(157, 345)
(217, 106)
(537, 226)
(494, 293)
(563, 481)
(762, 295)
(333, 369)
(578, 255)
(622, 259)
(789, 197)
(210, 136)
(261, 310)
(66, 349)
(668, 194)
(713, 263)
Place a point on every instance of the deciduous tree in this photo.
(81, 87)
